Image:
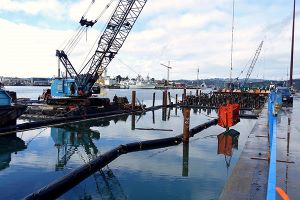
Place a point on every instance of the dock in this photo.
(249, 179)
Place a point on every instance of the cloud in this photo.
(45, 7)
(191, 34)
(77, 10)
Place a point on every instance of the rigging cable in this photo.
(232, 31)
(73, 37)
(83, 65)
(72, 43)
(121, 61)
(244, 69)
(89, 7)
(103, 11)
(65, 42)
(75, 41)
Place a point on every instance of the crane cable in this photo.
(244, 69)
(103, 11)
(89, 7)
(84, 64)
(75, 39)
(232, 31)
(126, 65)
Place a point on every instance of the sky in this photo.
(191, 34)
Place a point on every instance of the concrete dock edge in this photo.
(250, 175)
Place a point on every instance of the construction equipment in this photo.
(252, 64)
(79, 84)
(228, 115)
(168, 74)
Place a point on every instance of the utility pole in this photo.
(292, 48)
(197, 75)
(168, 73)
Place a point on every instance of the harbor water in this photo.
(32, 159)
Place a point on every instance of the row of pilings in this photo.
(215, 99)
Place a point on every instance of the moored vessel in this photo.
(9, 112)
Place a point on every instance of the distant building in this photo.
(40, 81)
(179, 85)
(108, 81)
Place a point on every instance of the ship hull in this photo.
(9, 114)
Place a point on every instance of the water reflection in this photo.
(69, 139)
(164, 114)
(288, 113)
(133, 122)
(185, 160)
(227, 142)
(9, 144)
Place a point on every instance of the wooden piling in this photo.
(169, 95)
(133, 100)
(176, 101)
(153, 101)
(186, 125)
(165, 98)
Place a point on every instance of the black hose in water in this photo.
(65, 183)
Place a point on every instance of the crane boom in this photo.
(112, 39)
(253, 62)
(115, 34)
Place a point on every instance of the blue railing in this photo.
(272, 121)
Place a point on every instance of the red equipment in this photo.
(229, 115)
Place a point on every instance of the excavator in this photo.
(76, 86)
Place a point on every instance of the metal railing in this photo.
(272, 121)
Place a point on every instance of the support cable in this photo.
(83, 65)
(72, 43)
(66, 41)
(72, 47)
(73, 40)
(232, 31)
(121, 61)
(89, 7)
(103, 11)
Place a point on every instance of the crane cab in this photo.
(62, 87)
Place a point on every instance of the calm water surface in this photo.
(35, 158)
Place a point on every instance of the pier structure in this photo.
(250, 178)
(269, 164)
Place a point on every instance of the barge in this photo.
(9, 112)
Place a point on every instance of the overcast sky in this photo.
(191, 34)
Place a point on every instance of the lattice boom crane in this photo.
(112, 39)
(253, 62)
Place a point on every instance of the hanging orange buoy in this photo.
(229, 115)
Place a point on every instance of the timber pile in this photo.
(216, 99)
